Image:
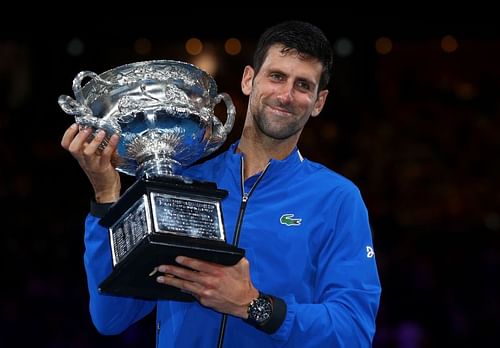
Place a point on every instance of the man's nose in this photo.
(285, 93)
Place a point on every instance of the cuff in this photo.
(99, 209)
(277, 318)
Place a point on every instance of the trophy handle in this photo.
(72, 107)
(231, 112)
(77, 84)
(83, 114)
(220, 132)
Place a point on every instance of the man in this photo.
(309, 278)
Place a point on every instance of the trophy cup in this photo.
(163, 112)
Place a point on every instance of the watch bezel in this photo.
(260, 309)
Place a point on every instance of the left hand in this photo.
(226, 289)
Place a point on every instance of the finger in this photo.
(181, 272)
(78, 143)
(92, 147)
(183, 284)
(69, 135)
(110, 147)
(198, 265)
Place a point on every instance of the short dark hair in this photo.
(305, 38)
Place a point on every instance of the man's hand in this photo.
(227, 289)
(95, 163)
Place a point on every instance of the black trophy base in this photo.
(141, 238)
(136, 275)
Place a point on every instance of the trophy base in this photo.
(136, 275)
(154, 222)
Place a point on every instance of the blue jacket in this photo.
(307, 237)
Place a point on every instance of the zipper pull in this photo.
(244, 198)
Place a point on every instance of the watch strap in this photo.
(277, 317)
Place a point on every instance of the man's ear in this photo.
(320, 103)
(247, 80)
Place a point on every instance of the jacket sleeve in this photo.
(347, 288)
(110, 314)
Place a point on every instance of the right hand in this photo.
(96, 164)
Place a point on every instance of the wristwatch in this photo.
(260, 310)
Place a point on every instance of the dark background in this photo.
(416, 129)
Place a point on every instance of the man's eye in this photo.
(304, 85)
(277, 77)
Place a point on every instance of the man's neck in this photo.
(259, 150)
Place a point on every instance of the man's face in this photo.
(284, 93)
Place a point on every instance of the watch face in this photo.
(260, 310)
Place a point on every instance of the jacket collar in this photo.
(277, 168)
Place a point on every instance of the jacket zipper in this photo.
(158, 326)
(236, 240)
(244, 199)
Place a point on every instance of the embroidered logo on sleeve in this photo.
(289, 220)
(369, 252)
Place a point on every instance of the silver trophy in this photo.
(163, 111)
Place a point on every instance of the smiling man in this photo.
(307, 279)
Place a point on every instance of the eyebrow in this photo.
(303, 79)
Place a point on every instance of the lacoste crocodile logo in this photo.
(289, 220)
